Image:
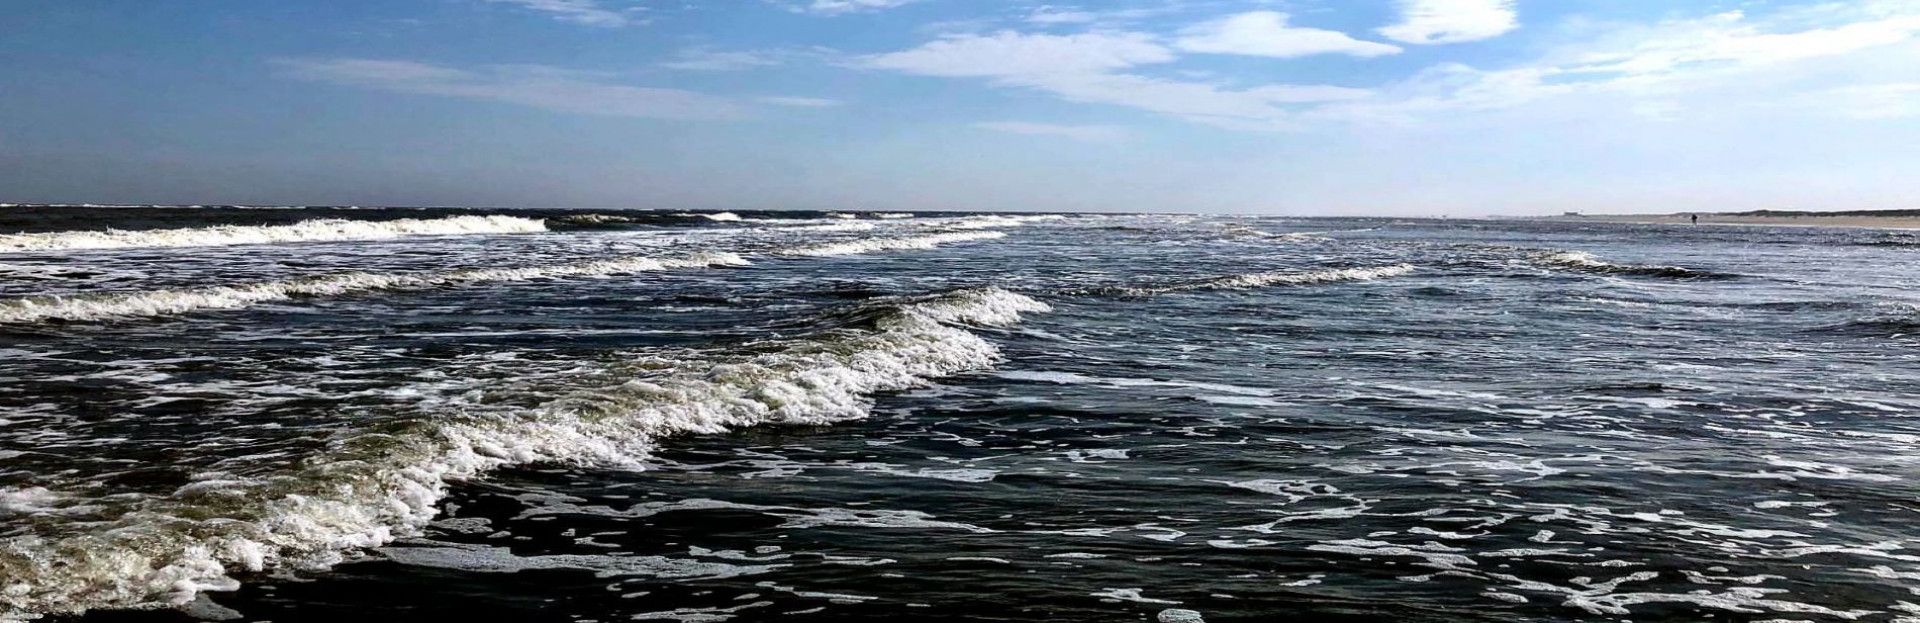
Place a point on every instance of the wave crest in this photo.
(319, 230)
(1259, 280)
(152, 303)
(869, 245)
(1587, 262)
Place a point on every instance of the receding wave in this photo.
(1586, 262)
(151, 303)
(1257, 280)
(869, 245)
(368, 488)
(319, 230)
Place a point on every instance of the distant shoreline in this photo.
(1882, 219)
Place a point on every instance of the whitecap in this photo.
(321, 230)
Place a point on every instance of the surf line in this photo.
(170, 302)
(317, 230)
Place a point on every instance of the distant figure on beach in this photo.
(1695, 217)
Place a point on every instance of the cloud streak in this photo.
(585, 12)
(1094, 68)
(1427, 22)
(535, 86)
(1267, 33)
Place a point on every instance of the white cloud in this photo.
(536, 86)
(1083, 133)
(1853, 56)
(588, 12)
(835, 7)
(1014, 54)
(1266, 33)
(1425, 22)
(1048, 14)
(703, 59)
(1733, 40)
(801, 102)
(1092, 68)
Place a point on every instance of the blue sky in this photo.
(1407, 107)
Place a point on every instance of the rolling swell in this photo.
(152, 303)
(855, 247)
(1255, 280)
(1586, 262)
(369, 488)
(157, 303)
(318, 230)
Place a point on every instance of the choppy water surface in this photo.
(847, 417)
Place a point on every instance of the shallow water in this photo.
(1090, 418)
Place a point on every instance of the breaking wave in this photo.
(1257, 280)
(1586, 262)
(320, 230)
(151, 303)
(869, 245)
(996, 220)
(726, 217)
(369, 488)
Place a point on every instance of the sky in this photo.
(1305, 107)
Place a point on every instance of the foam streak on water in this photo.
(306, 231)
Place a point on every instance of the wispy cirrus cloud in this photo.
(1268, 33)
(1082, 133)
(837, 7)
(1425, 22)
(1097, 67)
(1721, 62)
(536, 86)
(707, 59)
(585, 12)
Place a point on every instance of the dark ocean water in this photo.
(949, 417)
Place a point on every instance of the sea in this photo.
(324, 414)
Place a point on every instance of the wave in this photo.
(1586, 262)
(828, 227)
(893, 215)
(996, 220)
(152, 303)
(157, 303)
(369, 488)
(1257, 280)
(1891, 320)
(725, 217)
(869, 245)
(320, 230)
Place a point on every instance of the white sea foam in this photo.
(995, 220)
(828, 227)
(870, 245)
(370, 487)
(1262, 279)
(892, 215)
(304, 231)
(150, 303)
(725, 217)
